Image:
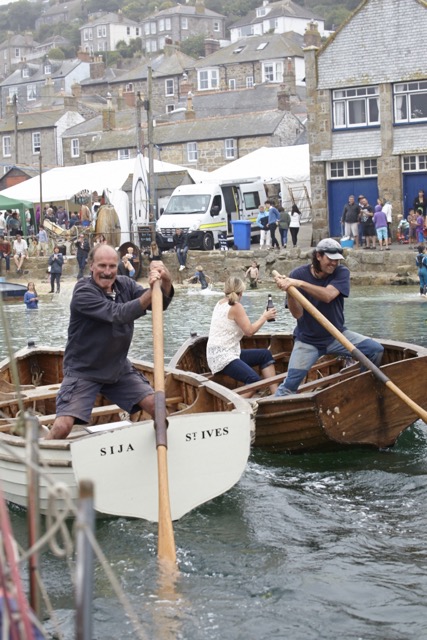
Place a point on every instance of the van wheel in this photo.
(208, 243)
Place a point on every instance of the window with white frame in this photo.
(184, 23)
(207, 79)
(123, 154)
(90, 33)
(102, 31)
(249, 82)
(192, 152)
(169, 87)
(161, 24)
(31, 92)
(272, 71)
(168, 24)
(17, 53)
(352, 168)
(85, 34)
(261, 11)
(129, 88)
(151, 46)
(216, 27)
(25, 72)
(47, 69)
(75, 148)
(410, 101)
(415, 163)
(147, 28)
(162, 41)
(355, 107)
(153, 28)
(6, 168)
(7, 149)
(137, 31)
(230, 146)
(102, 46)
(232, 84)
(36, 142)
(13, 91)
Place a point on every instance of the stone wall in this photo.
(366, 267)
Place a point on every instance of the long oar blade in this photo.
(355, 353)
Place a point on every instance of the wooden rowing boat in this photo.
(208, 426)
(337, 406)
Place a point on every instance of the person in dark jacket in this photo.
(103, 310)
(83, 249)
(180, 242)
(350, 219)
(56, 260)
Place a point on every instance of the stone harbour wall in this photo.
(395, 267)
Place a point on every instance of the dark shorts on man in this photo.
(77, 396)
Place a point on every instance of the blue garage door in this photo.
(412, 183)
(338, 192)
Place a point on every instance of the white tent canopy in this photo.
(270, 164)
(63, 183)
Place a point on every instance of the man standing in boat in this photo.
(103, 310)
(325, 283)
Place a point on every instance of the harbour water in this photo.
(307, 547)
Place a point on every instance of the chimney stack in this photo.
(190, 114)
(312, 36)
(211, 45)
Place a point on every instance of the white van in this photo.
(205, 210)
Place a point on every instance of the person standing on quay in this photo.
(295, 223)
(56, 260)
(273, 219)
(350, 219)
(83, 249)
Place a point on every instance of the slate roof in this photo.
(18, 40)
(109, 18)
(226, 103)
(262, 123)
(247, 50)
(29, 121)
(184, 10)
(60, 69)
(277, 9)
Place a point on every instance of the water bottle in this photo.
(270, 305)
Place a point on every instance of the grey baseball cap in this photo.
(331, 248)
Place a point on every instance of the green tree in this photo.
(56, 54)
(22, 15)
(194, 46)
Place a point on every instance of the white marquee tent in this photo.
(63, 183)
(287, 166)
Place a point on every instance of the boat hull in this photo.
(337, 406)
(187, 396)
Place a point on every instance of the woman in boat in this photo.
(228, 325)
(30, 297)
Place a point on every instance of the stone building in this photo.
(180, 22)
(275, 17)
(367, 108)
(103, 32)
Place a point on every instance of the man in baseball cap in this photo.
(326, 283)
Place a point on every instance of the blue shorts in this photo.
(241, 368)
(77, 396)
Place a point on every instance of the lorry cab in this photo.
(205, 210)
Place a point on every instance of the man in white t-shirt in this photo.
(20, 252)
(2, 222)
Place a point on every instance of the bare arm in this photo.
(238, 314)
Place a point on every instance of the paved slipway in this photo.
(394, 267)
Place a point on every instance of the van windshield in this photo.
(188, 204)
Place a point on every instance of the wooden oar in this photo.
(355, 353)
(166, 543)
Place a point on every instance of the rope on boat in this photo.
(56, 524)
